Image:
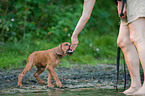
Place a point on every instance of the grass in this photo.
(13, 54)
(92, 49)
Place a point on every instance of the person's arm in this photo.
(119, 7)
(87, 10)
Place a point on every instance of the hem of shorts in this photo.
(135, 19)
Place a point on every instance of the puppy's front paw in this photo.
(59, 84)
(42, 82)
(50, 86)
(19, 85)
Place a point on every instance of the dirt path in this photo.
(100, 76)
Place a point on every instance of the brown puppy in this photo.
(48, 59)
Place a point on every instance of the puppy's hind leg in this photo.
(21, 75)
(37, 73)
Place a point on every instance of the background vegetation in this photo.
(31, 25)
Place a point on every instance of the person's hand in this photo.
(74, 43)
(119, 7)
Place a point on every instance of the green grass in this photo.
(92, 49)
(13, 54)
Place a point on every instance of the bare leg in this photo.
(37, 73)
(21, 75)
(131, 57)
(137, 36)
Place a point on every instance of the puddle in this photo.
(70, 92)
(86, 80)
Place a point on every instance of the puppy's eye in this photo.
(66, 45)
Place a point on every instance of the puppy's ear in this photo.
(59, 50)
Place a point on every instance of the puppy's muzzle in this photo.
(69, 51)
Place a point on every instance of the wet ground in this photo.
(86, 77)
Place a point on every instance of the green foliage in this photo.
(31, 25)
(21, 19)
(51, 19)
(13, 54)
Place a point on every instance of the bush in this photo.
(51, 19)
(25, 23)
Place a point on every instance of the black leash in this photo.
(123, 4)
(123, 55)
(118, 56)
(121, 14)
(124, 73)
(117, 65)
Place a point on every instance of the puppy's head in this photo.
(64, 49)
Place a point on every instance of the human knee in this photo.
(136, 39)
(123, 42)
(137, 30)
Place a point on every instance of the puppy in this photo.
(48, 59)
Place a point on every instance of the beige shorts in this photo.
(135, 9)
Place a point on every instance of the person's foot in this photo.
(131, 90)
(140, 91)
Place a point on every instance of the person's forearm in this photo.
(81, 24)
(87, 10)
